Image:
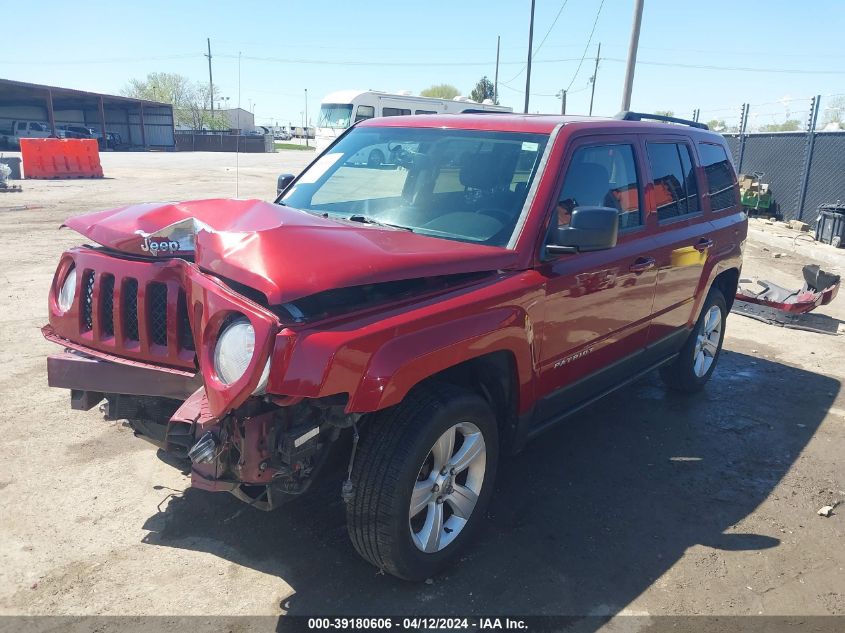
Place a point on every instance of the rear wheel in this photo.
(697, 359)
(424, 476)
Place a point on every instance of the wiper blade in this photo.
(365, 219)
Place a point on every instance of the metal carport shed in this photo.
(140, 124)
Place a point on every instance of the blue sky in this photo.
(780, 51)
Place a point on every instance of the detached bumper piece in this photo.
(776, 305)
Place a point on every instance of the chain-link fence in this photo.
(796, 143)
(826, 182)
(802, 172)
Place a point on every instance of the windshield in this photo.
(335, 115)
(462, 185)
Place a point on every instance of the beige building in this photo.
(239, 119)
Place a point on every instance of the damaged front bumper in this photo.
(263, 452)
(90, 378)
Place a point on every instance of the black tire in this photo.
(376, 158)
(396, 443)
(681, 375)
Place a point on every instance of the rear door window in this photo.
(673, 173)
(721, 185)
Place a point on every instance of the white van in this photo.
(341, 109)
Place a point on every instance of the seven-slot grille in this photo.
(131, 317)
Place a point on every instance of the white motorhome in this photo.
(341, 109)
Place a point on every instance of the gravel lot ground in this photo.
(647, 503)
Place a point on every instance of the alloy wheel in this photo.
(447, 487)
(707, 342)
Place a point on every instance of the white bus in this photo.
(341, 109)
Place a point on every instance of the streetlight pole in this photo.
(632, 55)
(528, 65)
(305, 128)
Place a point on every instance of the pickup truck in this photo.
(414, 322)
(10, 137)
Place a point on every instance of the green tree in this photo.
(664, 112)
(790, 125)
(191, 101)
(717, 125)
(441, 91)
(483, 90)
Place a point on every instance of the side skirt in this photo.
(552, 421)
(581, 394)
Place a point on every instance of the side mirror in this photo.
(283, 182)
(590, 229)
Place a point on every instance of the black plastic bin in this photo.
(830, 228)
(14, 164)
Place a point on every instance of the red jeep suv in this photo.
(411, 321)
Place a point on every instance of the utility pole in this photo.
(210, 82)
(528, 66)
(305, 128)
(562, 95)
(595, 74)
(632, 55)
(496, 79)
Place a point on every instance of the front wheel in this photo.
(424, 477)
(697, 359)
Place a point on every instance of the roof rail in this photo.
(627, 115)
(480, 111)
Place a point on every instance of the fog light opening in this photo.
(205, 450)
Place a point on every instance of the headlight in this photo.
(234, 351)
(68, 291)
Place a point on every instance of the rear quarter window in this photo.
(721, 181)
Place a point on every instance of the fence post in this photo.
(808, 154)
(743, 122)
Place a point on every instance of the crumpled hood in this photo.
(282, 252)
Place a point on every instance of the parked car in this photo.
(77, 131)
(414, 321)
(282, 135)
(11, 136)
(62, 133)
(113, 141)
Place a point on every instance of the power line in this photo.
(543, 41)
(325, 62)
(589, 40)
(733, 68)
(115, 60)
(546, 94)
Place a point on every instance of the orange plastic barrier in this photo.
(61, 158)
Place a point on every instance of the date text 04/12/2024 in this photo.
(424, 623)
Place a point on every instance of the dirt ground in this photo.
(647, 503)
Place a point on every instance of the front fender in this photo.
(407, 360)
(376, 358)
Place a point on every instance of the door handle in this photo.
(642, 264)
(703, 244)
